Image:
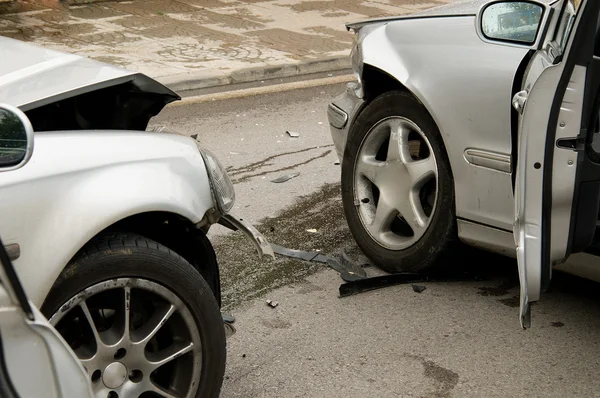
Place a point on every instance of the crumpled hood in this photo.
(32, 76)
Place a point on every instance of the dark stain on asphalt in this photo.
(276, 323)
(290, 167)
(444, 379)
(512, 302)
(557, 324)
(307, 287)
(499, 290)
(246, 277)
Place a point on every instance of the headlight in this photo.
(219, 180)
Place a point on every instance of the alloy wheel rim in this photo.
(395, 183)
(134, 337)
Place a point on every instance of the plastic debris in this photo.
(285, 177)
(418, 288)
(348, 272)
(337, 163)
(293, 134)
(160, 129)
(227, 318)
(272, 303)
(311, 230)
(228, 321)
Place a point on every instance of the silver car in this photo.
(473, 122)
(107, 223)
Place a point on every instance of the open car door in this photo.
(557, 188)
(35, 361)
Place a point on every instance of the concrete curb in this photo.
(206, 79)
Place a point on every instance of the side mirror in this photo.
(515, 22)
(16, 138)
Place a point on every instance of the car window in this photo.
(565, 26)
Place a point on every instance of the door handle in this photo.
(519, 100)
(14, 251)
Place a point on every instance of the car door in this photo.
(35, 361)
(557, 187)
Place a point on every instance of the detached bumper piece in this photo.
(258, 240)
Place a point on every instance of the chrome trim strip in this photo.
(333, 113)
(489, 160)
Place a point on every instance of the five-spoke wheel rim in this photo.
(134, 337)
(395, 183)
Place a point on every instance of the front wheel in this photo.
(141, 319)
(397, 187)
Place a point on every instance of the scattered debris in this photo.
(299, 254)
(243, 355)
(160, 129)
(320, 122)
(293, 134)
(311, 230)
(352, 266)
(418, 288)
(272, 303)
(234, 153)
(349, 275)
(229, 329)
(285, 177)
(337, 163)
(227, 318)
(557, 324)
(377, 282)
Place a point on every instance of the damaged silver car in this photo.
(107, 223)
(474, 122)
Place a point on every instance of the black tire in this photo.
(440, 237)
(127, 255)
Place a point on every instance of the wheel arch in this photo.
(377, 81)
(174, 232)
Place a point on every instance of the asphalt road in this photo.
(455, 339)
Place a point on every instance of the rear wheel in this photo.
(141, 319)
(397, 186)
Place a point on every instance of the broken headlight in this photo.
(220, 182)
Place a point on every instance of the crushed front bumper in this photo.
(341, 114)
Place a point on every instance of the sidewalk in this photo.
(200, 43)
